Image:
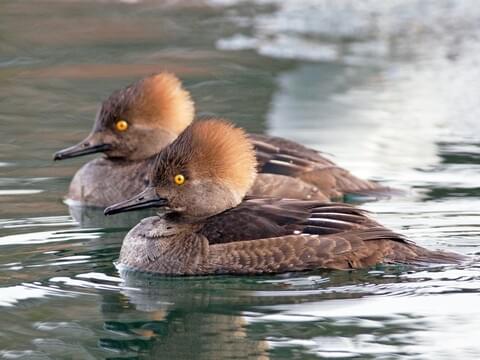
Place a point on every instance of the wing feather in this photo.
(258, 218)
(284, 157)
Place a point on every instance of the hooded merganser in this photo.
(200, 181)
(132, 125)
(136, 122)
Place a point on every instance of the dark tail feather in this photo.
(424, 257)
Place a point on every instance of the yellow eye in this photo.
(121, 125)
(179, 179)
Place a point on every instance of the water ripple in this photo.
(44, 237)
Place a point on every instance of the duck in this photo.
(206, 224)
(134, 123)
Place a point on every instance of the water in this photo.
(389, 88)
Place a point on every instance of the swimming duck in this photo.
(132, 125)
(200, 180)
(136, 122)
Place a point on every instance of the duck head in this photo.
(208, 169)
(137, 121)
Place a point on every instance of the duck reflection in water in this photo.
(174, 323)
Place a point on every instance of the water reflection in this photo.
(181, 324)
(328, 313)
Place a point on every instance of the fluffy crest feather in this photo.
(163, 100)
(211, 149)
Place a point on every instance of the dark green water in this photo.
(390, 88)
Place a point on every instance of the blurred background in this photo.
(389, 88)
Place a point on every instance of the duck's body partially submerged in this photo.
(201, 178)
(136, 122)
(269, 236)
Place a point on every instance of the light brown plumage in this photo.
(164, 102)
(215, 150)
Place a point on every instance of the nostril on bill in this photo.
(86, 144)
(140, 198)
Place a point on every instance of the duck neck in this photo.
(124, 161)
